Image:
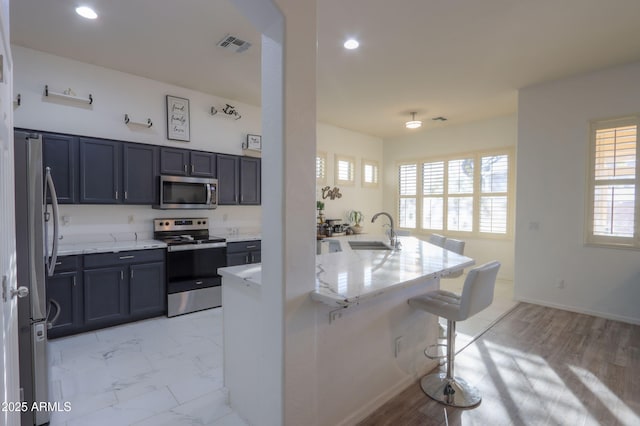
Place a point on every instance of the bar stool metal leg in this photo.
(447, 389)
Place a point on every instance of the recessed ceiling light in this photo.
(86, 12)
(351, 44)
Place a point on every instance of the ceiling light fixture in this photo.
(351, 44)
(413, 123)
(86, 12)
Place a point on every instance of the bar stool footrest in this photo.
(454, 392)
(431, 348)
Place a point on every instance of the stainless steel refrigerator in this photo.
(34, 261)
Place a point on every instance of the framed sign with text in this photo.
(178, 119)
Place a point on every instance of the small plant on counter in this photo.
(356, 216)
(319, 205)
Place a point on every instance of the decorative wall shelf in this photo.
(227, 111)
(128, 120)
(69, 96)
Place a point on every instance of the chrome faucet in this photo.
(393, 238)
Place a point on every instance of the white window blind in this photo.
(468, 194)
(345, 170)
(460, 195)
(613, 207)
(408, 184)
(370, 171)
(433, 195)
(321, 167)
(494, 187)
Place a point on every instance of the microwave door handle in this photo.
(211, 194)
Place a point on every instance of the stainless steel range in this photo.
(193, 259)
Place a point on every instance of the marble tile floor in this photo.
(161, 371)
(467, 331)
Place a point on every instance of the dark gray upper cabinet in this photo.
(174, 161)
(228, 179)
(100, 162)
(203, 164)
(60, 153)
(183, 162)
(140, 171)
(250, 181)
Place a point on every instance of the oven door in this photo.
(193, 282)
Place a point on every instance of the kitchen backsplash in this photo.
(96, 223)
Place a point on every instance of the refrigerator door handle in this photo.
(51, 263)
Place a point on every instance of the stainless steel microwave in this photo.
(181, 192)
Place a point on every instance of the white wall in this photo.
(453, 139)
(337, 141)
(116, 93)
(553, 146)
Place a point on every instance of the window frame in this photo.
(590, 238)
(477, 193)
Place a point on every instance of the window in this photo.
(466, 193)
(613, 213)
(321, 167)
(407, 179)
(345, 170)
(370, 172)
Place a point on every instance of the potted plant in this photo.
(356, 217)
(320, 207)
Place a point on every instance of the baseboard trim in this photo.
(605, 315)
(378, 402)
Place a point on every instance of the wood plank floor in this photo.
(538, 366)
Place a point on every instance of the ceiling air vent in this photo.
(234, 43)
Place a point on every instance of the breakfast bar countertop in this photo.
(345, 276)
(349, 276)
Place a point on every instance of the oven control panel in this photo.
(188, 224)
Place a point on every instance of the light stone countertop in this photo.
(68, 249)
(348, 277)
(106, 244)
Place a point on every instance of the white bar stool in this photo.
(477, 294)
(437, 239)
(456, 246)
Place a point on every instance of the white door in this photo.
(9, 376)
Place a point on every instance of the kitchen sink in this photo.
(369, 245)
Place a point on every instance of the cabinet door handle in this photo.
(74, 281)
(131, 275)
(198, 282)
(116, 195)
(121, 275)
(58, 263)
(126, 257)
(126, 194)
(192, 169)
(246, 259)
(184, 166)
(250, 247)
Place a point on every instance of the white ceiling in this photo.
(462, 59)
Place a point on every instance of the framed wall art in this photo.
(178, 125)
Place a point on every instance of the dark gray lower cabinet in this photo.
(146, 297)
(64, 294)
(243, 253)
(105, 297)
(111, 288)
